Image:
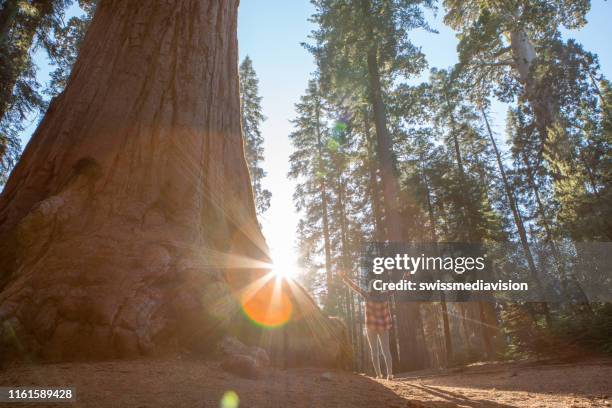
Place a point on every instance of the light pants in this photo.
(379, 339)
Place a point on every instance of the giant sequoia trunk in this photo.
(130, 218)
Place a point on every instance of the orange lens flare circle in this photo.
(267, 306)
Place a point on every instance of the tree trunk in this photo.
(384, 144)
(362, 347)
(130, 212)
(384, 152)
(465, 203)
(373, 183)
(541, 211)
(329, 280)
(518, 219)
(485, 309)
(448, 342)
(348, 294)
(524, 56)
(379, 228)
(562, 269)
(7, 17)
(408, 317)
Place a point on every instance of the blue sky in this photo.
(270, 32)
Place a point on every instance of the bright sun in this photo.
(284, 268)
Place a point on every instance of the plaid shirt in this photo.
(377, 311)
(378, 315)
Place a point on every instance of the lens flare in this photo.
(267, 305)
(284, 271)
(230, 400)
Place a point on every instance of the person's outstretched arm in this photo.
(351, 284)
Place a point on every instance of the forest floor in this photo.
(182, 383)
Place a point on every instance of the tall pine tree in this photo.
(252, 117)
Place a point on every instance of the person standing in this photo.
(378, 322)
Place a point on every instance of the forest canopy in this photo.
(385, 147)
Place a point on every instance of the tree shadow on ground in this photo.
(450, 399)
(583, 379)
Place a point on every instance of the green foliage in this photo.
(25, 27)
(310, 167)
(347, 31)
(572, 334)
(559, 130)
(556, 182)
(589, 332)
(447, 163)
(251, 120)
(66, 44)
(527, 334)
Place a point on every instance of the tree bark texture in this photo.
(329, 299)
(408, 315)
(524, 56)
(130, 221)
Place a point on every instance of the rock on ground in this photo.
(231, 346)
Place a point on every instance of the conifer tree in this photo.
(367, 45)
(516, 49)
(252, 117)
(67, 40)
(24, 27)
(362, 47)
(310, 167)
(509, 43)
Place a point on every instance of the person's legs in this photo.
(372, 336)
(386, 351)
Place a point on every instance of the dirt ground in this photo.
(193, 384)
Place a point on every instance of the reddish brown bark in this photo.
(133, 179)
(130, 218)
